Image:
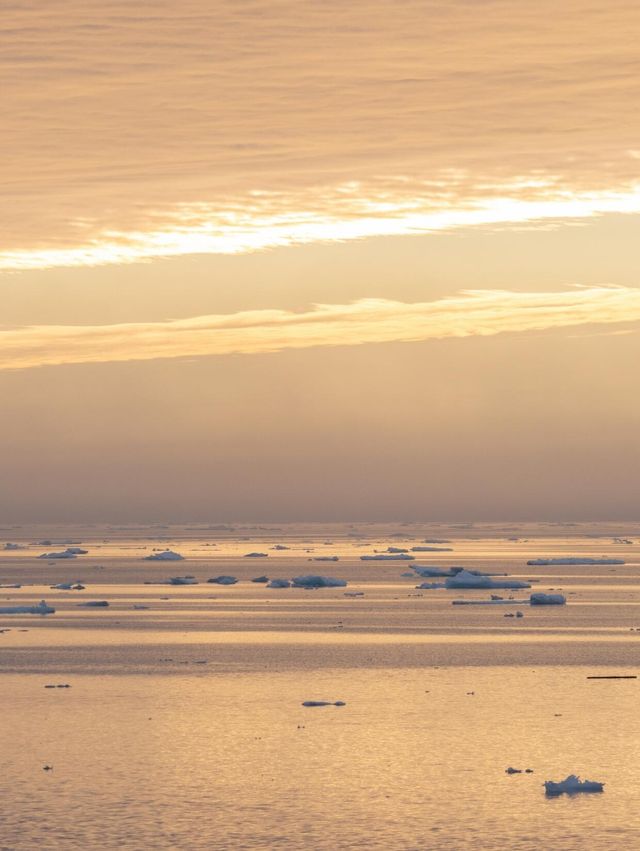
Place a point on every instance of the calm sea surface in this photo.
(183, 727)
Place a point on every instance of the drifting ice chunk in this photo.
(183, 580)
(578, 560)
(318, 582)
(571, 785)
(279, 583)
(394, 557)
(464, 579)
(166, 555)
(65, 554)
(40, 609)
(223, 580)
(262, 579)
(540, 599)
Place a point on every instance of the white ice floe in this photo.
(40, 609)
(540, 599)
(64, 554)
(313, 581)
(389, 557)
(165, 555)
(576, 560)
(571, 785)
(465, 579)
(279, 583)
(223, 580)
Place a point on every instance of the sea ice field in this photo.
(174, 716)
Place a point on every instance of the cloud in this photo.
(136, 131)
(474, 313)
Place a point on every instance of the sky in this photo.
(281, 261)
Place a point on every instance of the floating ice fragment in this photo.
(313, 581)
(540, 599)
(40, 609)
(279, 583)
(571, 785)
(223, 580)
(165, 555)
(261, 579)
(64, 554)
(182, 580)
(465, 579)
(391, 557)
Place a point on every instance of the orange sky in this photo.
(320, 261)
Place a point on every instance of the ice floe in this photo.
(388, 557)
(223, 580)
(540, 599)
(571, 785)
(182, 580)
(279, 583)
(465, 579)
(40, 609)
(165, 555)
(63, 554)
(313, 581)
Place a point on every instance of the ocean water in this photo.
(183, 727)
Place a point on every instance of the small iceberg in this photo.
(465, 579)
(578, 560)
(540, 599)
(390, 557)
(313, 581)
(223, 580)
(165, 555)
(256, 555)
(40, 609)
(571, 785)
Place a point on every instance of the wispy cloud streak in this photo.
(474, 313)
(132, 131)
